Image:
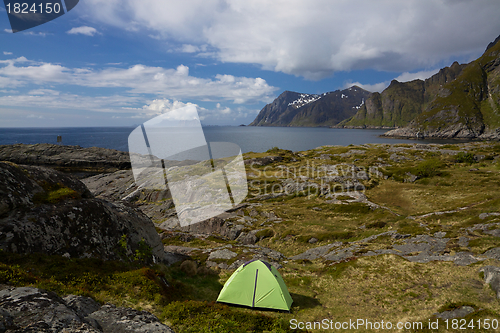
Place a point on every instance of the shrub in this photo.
(189, 267)
(144, 253)
(465, 158)
(279, 151)
(429, 168)
(265, 233)
(378, 224)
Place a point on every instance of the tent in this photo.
(256, 284)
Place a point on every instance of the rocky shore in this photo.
(74, 159)
(459, 131)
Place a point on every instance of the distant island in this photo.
(461, 101)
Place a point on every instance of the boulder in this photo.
(456, 313)
(82, 305)
(34, 310)
(126, 320)
(222, 254)
(492, 277)
(247, 237)
(482, 216)
(410, 178)
(43, 210)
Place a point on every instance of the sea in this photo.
(249, 138)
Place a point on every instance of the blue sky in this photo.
(121, 62)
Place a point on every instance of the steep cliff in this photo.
(466, 107)
(401, 102)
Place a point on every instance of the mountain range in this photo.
(460, 101)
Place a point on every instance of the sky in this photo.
(122, 62)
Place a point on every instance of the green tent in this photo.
(256, 284)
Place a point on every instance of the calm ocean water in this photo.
(256, 139)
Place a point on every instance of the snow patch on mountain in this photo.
(304, 99)
(360, 105)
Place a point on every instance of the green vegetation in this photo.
(159, 289)
(265, 233)
(54, 193)
(196, 316)
(465, 158)
(428, 168)
(448, 197)
(397, 105)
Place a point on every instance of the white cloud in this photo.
(55, 100)
(35, 116)
(189, 48)
(9, 31)
(7, 53)
(40, 33)
(139, 79)
(315, 38)
(44, 92)
(405, 77)
(13, 61)
(422, 75)
(377, 87)
(217, 114)
(161, 106)
(83, 30)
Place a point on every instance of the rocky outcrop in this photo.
(421, 248)
(43, 210)
(120, 186)
(456, 131)
(231, 257)
(456, 313)
(73, 159)
(35, 310)
(492, 277)
(261, 161)
(126, 320)
(215, 226)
